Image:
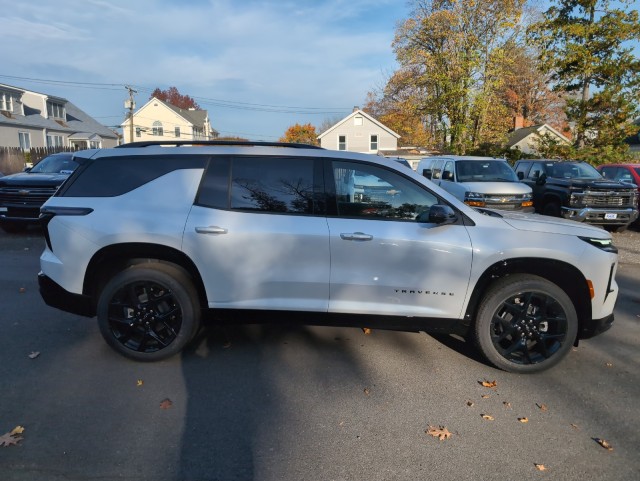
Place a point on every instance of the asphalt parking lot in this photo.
(307, 403)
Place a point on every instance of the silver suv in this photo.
(154, 238)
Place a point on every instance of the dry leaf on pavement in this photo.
(34, 354)
(366, 330)
(166, 404)
(542, 407)
(523, 420)
(540, 467)
(439, 432)
(488, 417)
(470, 403)
(17, 430)
(139, 382)
(506, 404)
(604, 444)
(490, 384)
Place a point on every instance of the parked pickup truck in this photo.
(576, 190)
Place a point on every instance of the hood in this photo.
(553, 225)
(599, 183)
(496, 187)
(35, 179)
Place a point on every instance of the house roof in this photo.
(76, 121)
(365, 115)
(194, 117)
(520, 134)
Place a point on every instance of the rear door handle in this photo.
(357, 236)
(212, 229)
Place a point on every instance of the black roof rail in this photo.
(180, 143)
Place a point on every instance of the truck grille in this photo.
(594, 198)
(25, 196)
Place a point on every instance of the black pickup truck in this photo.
(576, 190)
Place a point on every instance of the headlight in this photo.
(474, 199)
(604, 244)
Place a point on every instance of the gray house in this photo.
(31, 119)
(359, 132)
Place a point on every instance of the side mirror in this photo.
(426, 173)
(520, 175)
(438, 214)
(447, 175)
(542, 179)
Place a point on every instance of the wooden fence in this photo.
(14, 159)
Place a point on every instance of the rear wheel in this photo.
(149, 312)
(525, 324)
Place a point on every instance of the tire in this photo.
(149, 312)
(551, 208)
(525, 324)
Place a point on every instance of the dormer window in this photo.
(6, 102)
(55, 110)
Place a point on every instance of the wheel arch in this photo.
(116, 257)
(566, 276)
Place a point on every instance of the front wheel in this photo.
(525, 324)
(149, 312)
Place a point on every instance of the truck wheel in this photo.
(551, 208)
(525, 324)
(149, 312)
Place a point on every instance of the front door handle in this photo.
(212, 229)
(357, 236)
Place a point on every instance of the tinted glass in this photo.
(214, 190)
(371, 192)
(112, 176)
(55, 164)
(572, 170)
(485, 171)
(273, 184)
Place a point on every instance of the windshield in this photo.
(573, 170)
(55, 164)
(484, 171)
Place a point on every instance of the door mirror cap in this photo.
(542, 179)
(438, 214)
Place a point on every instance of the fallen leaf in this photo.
(575, 426)
(8, 440)
(506, 404)
(470, 403)
(542, 407)
(540, 467)
(17, 430)
(523, 420)
(609, 364)
(139, 382)
(22, 290)
(440, 432)
(604, 444)
(488, 417)
(366, 330)
(485, 396)
(34, 354)
(166, 404)
(490, 384)
(366, 391)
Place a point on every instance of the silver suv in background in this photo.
(155, 237)
(478, 181)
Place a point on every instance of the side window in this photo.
(436, 168)
(371, 192)
(214, 189)
(609, 172)
(522, 168)
(537, 169)
(447, 171)
(274, 184)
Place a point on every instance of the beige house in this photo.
(31, 119)
(359, 132)
(159, 120)
(526, 139)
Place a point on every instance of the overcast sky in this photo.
(256, 66)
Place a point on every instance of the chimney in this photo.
(356, 108)
(518, 122)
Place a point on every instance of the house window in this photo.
(94, 144)
(342, 142)
(138, 132)
(6, 102)
(54, 141)
(177, 130)
(25, 140)
(374, 142)
(357, 120)
(157, 128)
(198, 133)
(55, 110)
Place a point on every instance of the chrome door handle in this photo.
(212, 229)
(358, 236)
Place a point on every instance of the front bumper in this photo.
(600, 216)
(56, 296)
(594, 327)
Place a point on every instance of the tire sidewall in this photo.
(167, 276)
(497, 295)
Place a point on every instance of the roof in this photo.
(365, 115)
(521, 134)
(194, 117)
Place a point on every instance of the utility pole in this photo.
(130, 104)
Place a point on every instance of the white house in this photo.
(33, 119)
(359, 132)
(159, 120)
(526, 139)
